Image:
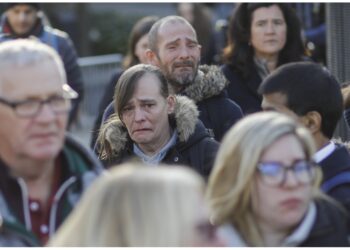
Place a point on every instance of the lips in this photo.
(140, 130)
(291, 203)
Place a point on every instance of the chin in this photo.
(292, 219)
(46, 153)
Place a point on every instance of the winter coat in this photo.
(194, 147)
(243, 91)
(62, 43)
(330, 228)
(327, 227)
(338, 162)
(79, 168)
(217, 112)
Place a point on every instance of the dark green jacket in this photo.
(80, 168)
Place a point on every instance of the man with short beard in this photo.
(174, 48)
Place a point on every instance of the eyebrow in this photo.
(178, 39)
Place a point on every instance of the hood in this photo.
(113, 136)
(209, 82)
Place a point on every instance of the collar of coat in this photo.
(114, 136)
(209, 82)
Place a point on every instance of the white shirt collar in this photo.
(303, 230)
(324, 152)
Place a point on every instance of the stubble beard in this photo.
(180, 81)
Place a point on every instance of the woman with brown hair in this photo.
(261, 37)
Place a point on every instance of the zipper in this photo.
(57, 197)
(25, 198)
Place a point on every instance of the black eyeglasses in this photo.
(275, 174)
(30, 108)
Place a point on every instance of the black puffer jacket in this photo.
(194, 147)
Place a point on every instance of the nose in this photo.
(46, 114)
(22, 16)
(184, 53)
(139, 115)
(270, 28)
(291, 179)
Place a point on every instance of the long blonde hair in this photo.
(232, 179)
(135, 206)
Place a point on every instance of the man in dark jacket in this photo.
(309, 93)
(153, 126)
(43, 171)
(175, 50)
(22, 20)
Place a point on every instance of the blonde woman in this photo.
(138, 206)
(264, 187)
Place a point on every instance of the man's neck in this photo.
(175, 88)
(320, 140)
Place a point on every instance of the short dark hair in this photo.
(239, 54)
(127, 82)
(308, 87)
(153, 33)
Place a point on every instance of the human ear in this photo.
(152, 58)
(312, 120)
(171, 100)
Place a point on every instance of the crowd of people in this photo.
(184, 153)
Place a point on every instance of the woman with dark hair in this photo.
(138, 43)
(261, 37)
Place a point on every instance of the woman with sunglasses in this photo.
(264, 187)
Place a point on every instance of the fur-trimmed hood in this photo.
(209, 82)
(113, 136)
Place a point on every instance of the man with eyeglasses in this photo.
(43, 171)
(23, 20)
(309, 93)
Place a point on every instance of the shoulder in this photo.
(330, 228)
(80, 158)
(56, 32)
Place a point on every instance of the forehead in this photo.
(272, 11)
(22, 7)
(147, 86)
(174, 30)
(286, 149)
(39, 79)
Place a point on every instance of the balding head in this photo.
(153, 33)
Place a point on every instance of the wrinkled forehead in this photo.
(170, 27)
